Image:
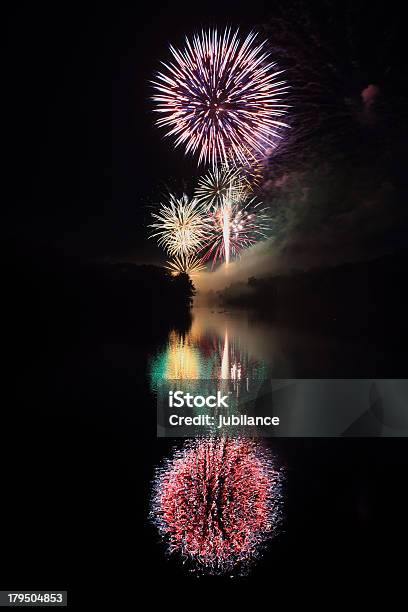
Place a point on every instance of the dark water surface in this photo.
(80, 449)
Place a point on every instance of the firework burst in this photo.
(187, 264)
(180, 226)
(235, 226)
(221, 98)
(219, 184)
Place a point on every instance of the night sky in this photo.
(86, 160)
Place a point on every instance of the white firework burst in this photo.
(180, 225)
(222, 98)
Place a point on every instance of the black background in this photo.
(78, 445)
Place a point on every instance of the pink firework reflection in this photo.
(216, 502)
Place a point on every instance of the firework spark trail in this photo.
(219, 189)
(234, 227)
(217, 501)
(221, 98)
(226, 230)
(181, 226)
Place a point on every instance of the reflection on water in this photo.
(212, 349)
(254, 359)
(236, 345)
